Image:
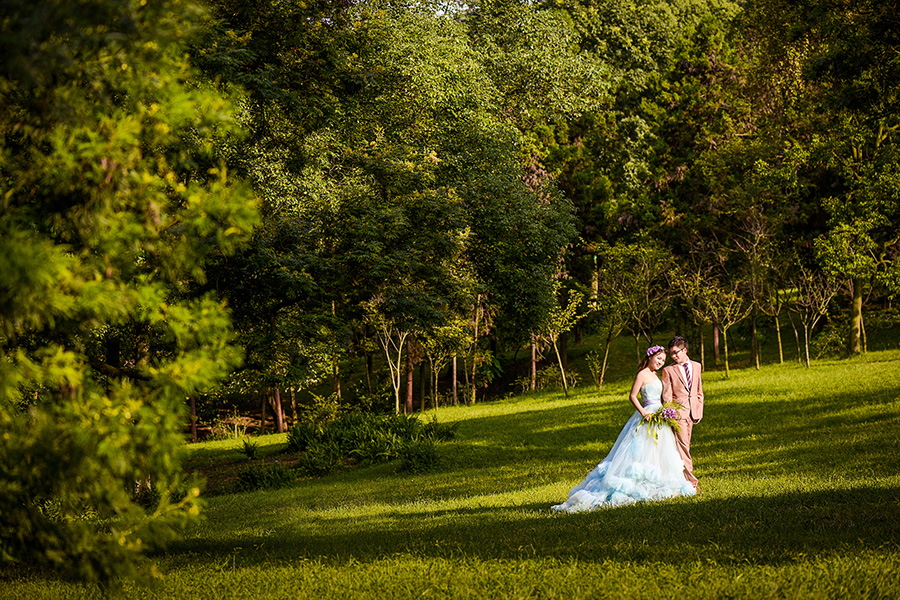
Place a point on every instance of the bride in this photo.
(638, 467)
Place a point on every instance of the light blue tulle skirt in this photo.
(637, 469)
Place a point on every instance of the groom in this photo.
(682, 384)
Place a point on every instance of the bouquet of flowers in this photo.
(665, 416)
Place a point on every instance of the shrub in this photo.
(250, 448)
(549, 378)
(264, 477)
(828, 343)
(440, 432)
(301, 435)
(367, 439)
(227, 428)
(320, 458)
(418, 456)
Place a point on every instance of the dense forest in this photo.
(228, 197)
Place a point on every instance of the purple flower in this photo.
(670, 413)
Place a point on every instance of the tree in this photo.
(815, 290)
(560, 320)
(379, 147)
(392, 337)
(755, 242)
(609, 306)
(862, 240)
(843, 78)
(643, 269)
(441, 345)
(611, 323)
(115, 195)
(713, 302)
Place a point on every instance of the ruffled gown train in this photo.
(637, 468)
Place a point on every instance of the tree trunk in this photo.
(862, 329)
(806, 343)
(293, 407)
(716, 353)
(262, 421)
(369, 371)
(754, 338)
(778, 335)
(335, 368)
(336, 372)
(563, 342)
(515, 359)
(533, 385)
(796, 338)
(562, 370)
(279, 414)
(455, 389)
(409, 378)
(605, 358)
(465, 370)
(702, 346)
(423, 382)
(725, 343)
(194, 419)
(395, 367)
(854, 345)
(434, 376)
(475, 344)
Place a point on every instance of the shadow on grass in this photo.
(771, 530)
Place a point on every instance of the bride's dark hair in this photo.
(651, 352)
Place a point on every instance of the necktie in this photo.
(687, 374)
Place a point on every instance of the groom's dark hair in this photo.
(678, 342)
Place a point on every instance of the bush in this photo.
(367, 439)
(250, 448)
(549, 378)
(828, 343)
(302, 435)
(320, 458)
(440, 432)
(264, 477)
(227, 428)
(418, 456)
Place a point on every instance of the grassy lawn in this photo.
(800, 499)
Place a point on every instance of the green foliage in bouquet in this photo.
(667, 416)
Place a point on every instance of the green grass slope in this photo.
(800, 499)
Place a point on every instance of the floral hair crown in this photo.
(654, 349)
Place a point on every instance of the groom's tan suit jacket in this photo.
(675, 388)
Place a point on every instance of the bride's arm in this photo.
(667, 385)
(635, 390)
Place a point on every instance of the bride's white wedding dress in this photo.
(637, 467)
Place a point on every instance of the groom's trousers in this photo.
(683, 441)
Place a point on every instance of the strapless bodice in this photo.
(651, 393)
